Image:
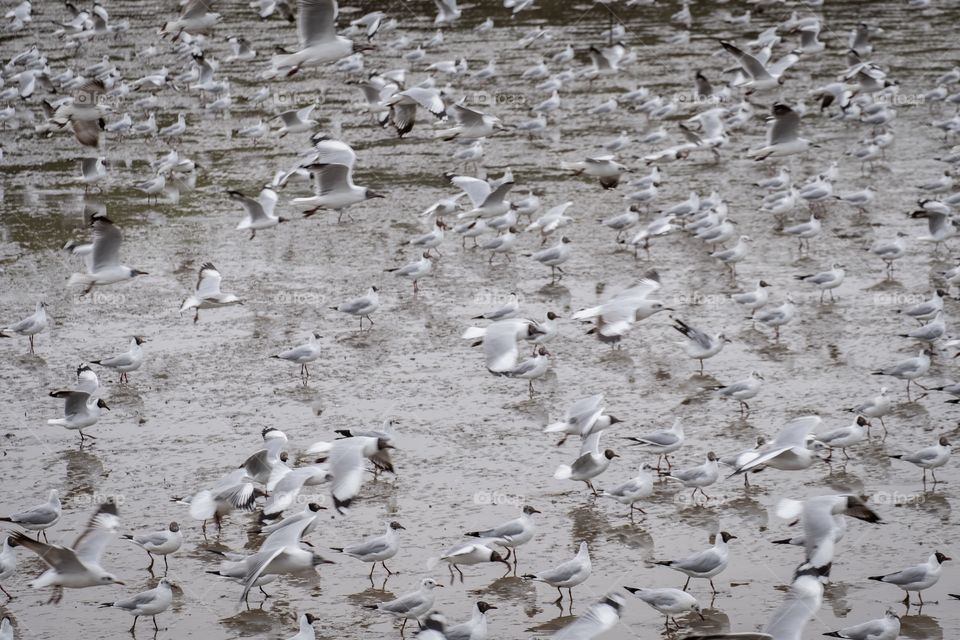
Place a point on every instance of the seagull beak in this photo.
(119, 582)
(374, 194)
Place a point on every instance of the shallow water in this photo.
(470, 449)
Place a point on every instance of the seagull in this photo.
(778, 316)
(782, 136)
(38, 518)
(614, 318)
(633, 490)
(403, 105)
(374, 550)
(788, 451)
(669, 602)
(590, 463)
(76, 567)
(487, 198)
(584, 418)
(566, 575)
(125, 362)
(663, 442)
(259, 212)
(29, 326)
(305, 625)
(468, 553)
(606, 168)
(699, 345)
(876, 407)
(909, 369)
(697, 477)
(930, 458)
(194, 18)
(447, 12)
(411, 606)
(207, 294)
(361, 307)
(319, 42)
(553, 256)
(473, 629)
(508, 310)
(788, 622)
(826, 281)
(805, 231)
(598, 619)
(233, 491)
(104, 266)
(161, 543)
(8, 567)
(303, 355)
(414, 270)
(347, 469)
(916, 578)
(500, 349)
(297, 120)
(742, 390)
(92, 171)
(823, 525)
(844, 437)
(885, 628)
(149, 603)
(281, 553)
(334, 189)
(80, 410)
(471, 124)
(761, 77)
(511, 534)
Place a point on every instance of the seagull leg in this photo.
(155, 627)
(560, 599)
(711, 585)
(507, 557)
(166, 567)
(31, 345)
(265, 594)
(134, 625)
(7, 593)
(196, 315)
(686, 584)
(460, 572)
(389, 573)
(150, 568)
(372, 567)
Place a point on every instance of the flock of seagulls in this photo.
(751, 106)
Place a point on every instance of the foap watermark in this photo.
(485, 99)
(897, 499)
(299, 297)
(97, 297)
(697, 299)
(697, 99)
(488, 298)
(497, 498)
(897, 299)
(85, 500)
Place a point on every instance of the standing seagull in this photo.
(80, 410)
(319, 42)
(77, 567)
(104, 266)
(414, 270)
(125, 362)
(361, 307)
(590, 463)
(161, 543)
(259, 211)
(705, 564)
(149, 603)
(567, 574)
(208, 294)
(38, 518)
(29, 326)
(411, 606)
(885, 628)
(633, 490)
(917, 578)
(511, 534)
(374, 550)
(699, 345)
(303, 355)
(929, 458)
(783, 137)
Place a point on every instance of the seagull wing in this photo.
(316, 21)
